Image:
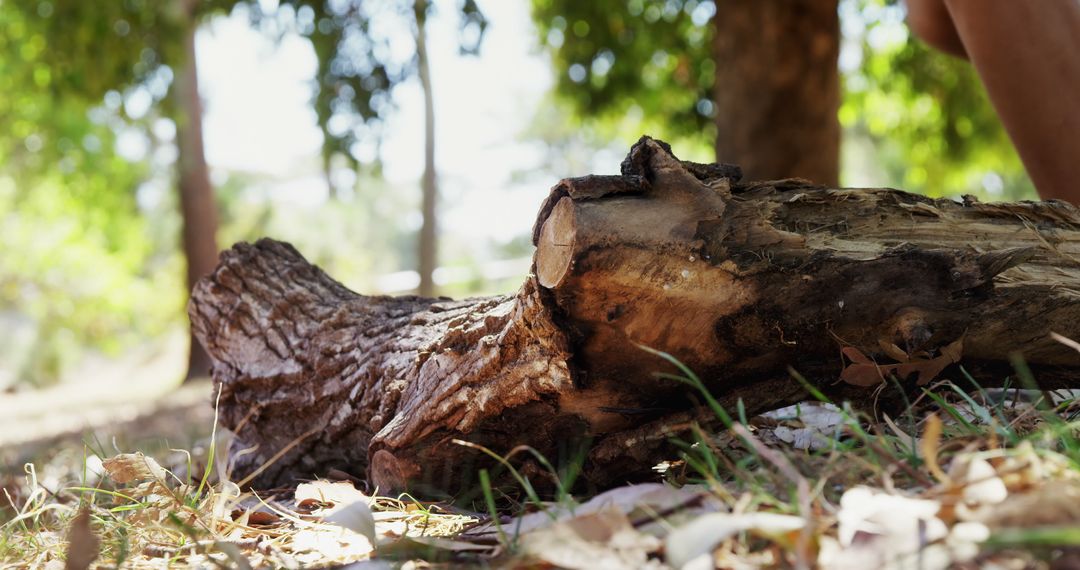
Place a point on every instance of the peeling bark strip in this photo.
(737, 280)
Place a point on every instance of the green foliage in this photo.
(641, 62)
(87, 49)
(922, 118)
(90, 267)
(84, 275)
(926, 114)
(77, 261)
(93, 47)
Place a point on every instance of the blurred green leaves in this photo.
(81, 81)
(633, 66)
(913, 118)
(77, 261)
(924, 114)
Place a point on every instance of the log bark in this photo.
(738, 280)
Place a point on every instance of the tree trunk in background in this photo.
(741, 281)
(777, 88)
(197, 207)
(429, 250)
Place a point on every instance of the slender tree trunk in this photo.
(197, 207)
(777, 88)
(430, 191)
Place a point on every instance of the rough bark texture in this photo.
(777, 89)
(197, 208)
(739, 281)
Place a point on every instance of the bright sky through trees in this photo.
(259, 119)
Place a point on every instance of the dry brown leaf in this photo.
(929, 445)
(83, 544)
(262, 518)
(894, 352)
(863, 371)
(129, 467)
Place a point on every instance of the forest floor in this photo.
(968, 478)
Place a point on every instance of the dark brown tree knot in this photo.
(639, 159)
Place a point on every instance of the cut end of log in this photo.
(555, 251)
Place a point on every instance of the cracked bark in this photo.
(740, 281)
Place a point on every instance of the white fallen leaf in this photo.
(338, 493)
(982, 486)
(94, 470)
(702, 562)
(866, 510)
(701, 535)
(802, 438)
(234, 554)
(319, 543)
(784, 434)
(225, 498)
(882, 530)
(820, 424)
(356, 517)
(644, 497)
(811, 414)
(602, 539)
(973, 532)
(635, 501)
(370, 565)
(1024, 467)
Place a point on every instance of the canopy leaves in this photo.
(924, 115)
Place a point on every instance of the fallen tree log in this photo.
(740, 281)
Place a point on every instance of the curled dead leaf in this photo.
(894, 352)
(863, 371)
(263, 518)
(929, 446)
(129, 467)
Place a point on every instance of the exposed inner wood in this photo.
(556, 247)
(739, 281)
